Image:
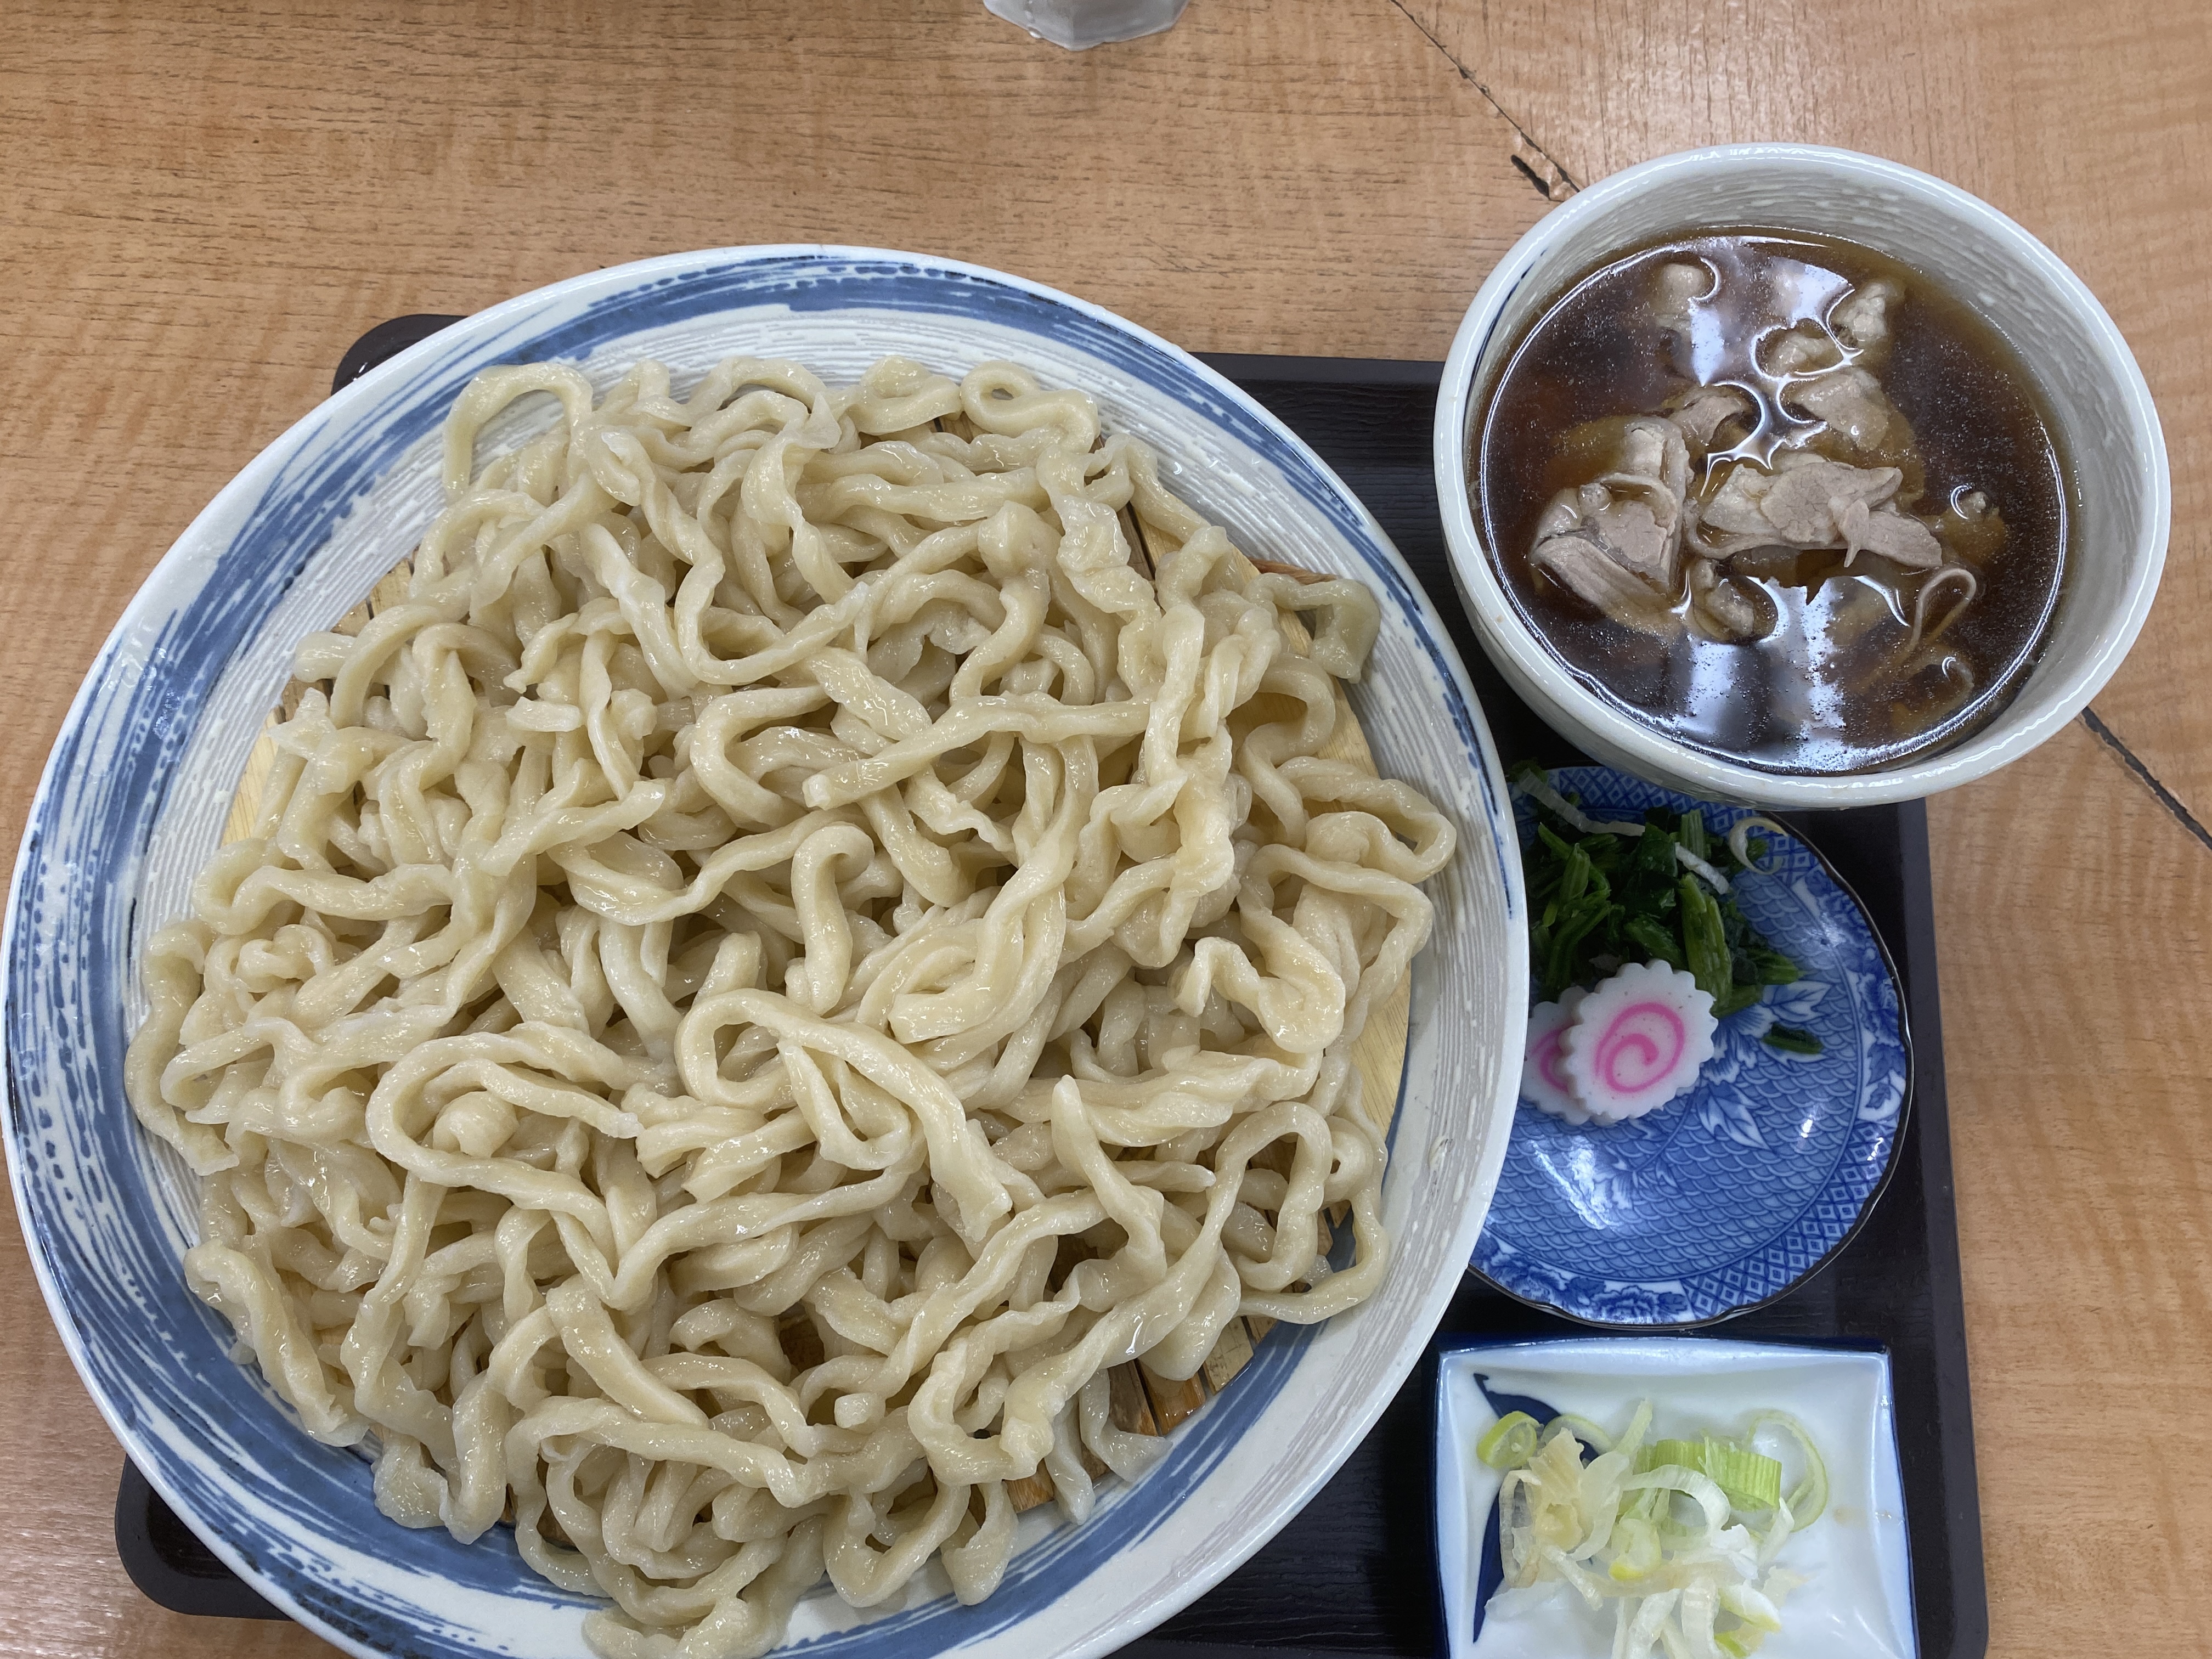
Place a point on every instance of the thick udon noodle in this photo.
(783, 867)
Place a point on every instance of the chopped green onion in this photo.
(1583, 1430)
(1751, 1481)
(1697, 865)
(1678, 1454)
(1809, 1497)
(1636, 1546)
(1639, 1423)
(1509, 1443)
(1789, 1039)
(1750, 1605)
(1650, 1619)
(1745, 851)
(1530, 779)
(1670, 1545)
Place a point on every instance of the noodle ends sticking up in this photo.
(783, 958)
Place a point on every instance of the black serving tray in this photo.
(1355, 1572)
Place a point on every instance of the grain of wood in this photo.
(2084, 1183)
(2087, 123)
(204, 202)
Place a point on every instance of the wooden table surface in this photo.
(200, 204)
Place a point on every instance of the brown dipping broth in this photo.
(1811, 696)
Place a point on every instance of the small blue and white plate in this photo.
(1733, 1193)
(1856, 1599)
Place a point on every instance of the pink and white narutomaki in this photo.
(1542, 1083)
(1637, 1041)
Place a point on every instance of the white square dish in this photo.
(1858, 1603)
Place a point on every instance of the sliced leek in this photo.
(1752, 1481)
(1509, 1443)
(1679, 1536)
(1810, 1497)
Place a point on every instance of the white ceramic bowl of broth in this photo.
(2118, 497)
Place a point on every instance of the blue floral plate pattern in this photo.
(1739, 1189)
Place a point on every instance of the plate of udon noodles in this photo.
(789, 948)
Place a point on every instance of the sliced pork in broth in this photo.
(1783, 496)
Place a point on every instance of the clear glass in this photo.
(1079, 25)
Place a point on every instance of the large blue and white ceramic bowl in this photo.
(1730, 1195)
(134, 797)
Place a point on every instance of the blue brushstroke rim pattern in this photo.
(101, 1240)
(1831, 1210)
